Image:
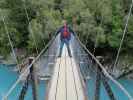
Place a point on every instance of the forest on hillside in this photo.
(98, 23)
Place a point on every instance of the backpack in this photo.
(66, 33)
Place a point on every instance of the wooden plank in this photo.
(66, 83)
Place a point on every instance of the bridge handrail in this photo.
(103, 69)
(19, 79)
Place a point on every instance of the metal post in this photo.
(24, 89)
(98, 80)
(98, 83)
(104, 80)
(33, 80)
(108, 88)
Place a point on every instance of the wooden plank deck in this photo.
(66, 81)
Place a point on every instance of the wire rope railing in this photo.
(104, 70)
(28, 19)
(123, 36)
(10, 42)
(26, 69)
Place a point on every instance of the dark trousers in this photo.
(65, 41)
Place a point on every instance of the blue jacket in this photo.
(61, 31)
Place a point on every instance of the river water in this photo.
(8, 77)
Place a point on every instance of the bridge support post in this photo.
(98, 83)
(98, 80)
(33, 80)
(108, 88)
(104, 81)
(24, 89)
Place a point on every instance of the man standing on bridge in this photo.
(65, 37)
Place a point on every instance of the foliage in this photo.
(100, 22)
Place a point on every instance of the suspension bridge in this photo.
(67, 75)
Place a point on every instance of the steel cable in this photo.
(124, 33)
(10, 41)
(26, 69)
(105, 72)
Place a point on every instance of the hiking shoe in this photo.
(59, 56)
(70, 55)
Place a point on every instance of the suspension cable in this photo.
(25, 70)
(105, 72)
(9, 38)
(28, 19)
(43, 40)
(124, 33)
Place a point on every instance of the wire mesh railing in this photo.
(93, 64)
(5, 97)
(89, 65)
